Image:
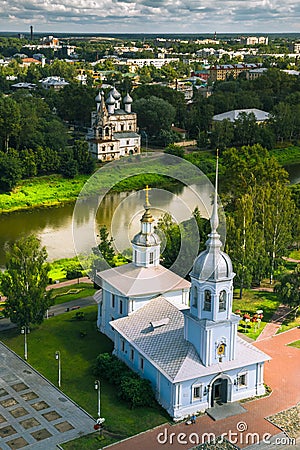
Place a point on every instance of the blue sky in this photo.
(151, 16)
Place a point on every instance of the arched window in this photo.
(207, 300)
(195, 297)
(107, 131)
(222, 301)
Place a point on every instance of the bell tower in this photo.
(210, 324)
(146, 244)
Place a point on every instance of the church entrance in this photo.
(219, 392)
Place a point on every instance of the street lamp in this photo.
(57, 356)
(25, 330)
(97, 387)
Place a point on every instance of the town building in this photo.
(113, 131)
(223, 71)
(55, 83)
(235, 114)
(181, 337)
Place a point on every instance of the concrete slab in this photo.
(34, 413)
(225, 410)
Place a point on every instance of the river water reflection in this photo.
(120, 212)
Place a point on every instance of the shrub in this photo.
(137, 391)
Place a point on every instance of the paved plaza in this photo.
(33, 412)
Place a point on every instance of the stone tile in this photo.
(40, 405)
(17, 443)
(52, 415)
(29, 396)
(7, 431)
(29, 423)
(3, 392)
(19, 387)
(8, 402)
(64, 426)
(18, 412)
(41, 434)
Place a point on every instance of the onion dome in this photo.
(116, 94)
(98, 98)
(127, 99)
(110, 100)
(146, 237)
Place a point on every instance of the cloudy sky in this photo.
(151, 16)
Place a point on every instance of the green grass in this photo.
(295, 254)
(287, 155)
(90, 442)
(74, 292)
(77, 357)
(295, 344)
(250, 303)
(58, 268)
(290, 322)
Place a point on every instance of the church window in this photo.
(127, 142)
(121, 307)
(113, 300)
(129, 127)
(122, 345)
(207, 300)
(132, 354)
(103, 148)
(197, 392)
(122, 127)
(242, 380)
(111, 147)
(107, 131)
(151, 258)
(222, 301)
(141, 363)
(195, 297)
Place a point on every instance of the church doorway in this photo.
(219, 392)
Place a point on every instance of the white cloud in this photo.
(154, 16)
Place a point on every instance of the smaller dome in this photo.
(116, 94)
(98, 98)
(146, 239)
(127, 99)
(110, 100)
(210, 265)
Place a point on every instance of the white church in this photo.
(181, 336)
(113, 131)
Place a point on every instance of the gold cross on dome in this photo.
(147, 190)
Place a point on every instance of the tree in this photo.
(288, 289)
(10, 172)
(9, 120)
(154, 114)
(169, 232)
(86, 163)
(24, 282)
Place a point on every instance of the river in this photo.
(120, 212)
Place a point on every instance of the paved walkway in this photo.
(34, 414)
(273, 326)
(281, 374)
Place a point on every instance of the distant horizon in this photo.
(151, 16)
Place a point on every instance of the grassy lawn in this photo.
(286, 155)
(295, 344)
(74, 292)
(290, 322)
(250, 303)
(77, 357)
(58, 268)
(295, 254)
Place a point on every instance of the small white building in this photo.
(53, 82)
(260, 116)
(113, 131)
(182, 338)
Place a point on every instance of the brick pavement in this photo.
(281, 374)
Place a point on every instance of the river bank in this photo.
(54, 190)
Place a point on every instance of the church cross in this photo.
(147, 190)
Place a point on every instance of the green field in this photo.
(78, 354)
(287, 155)
(74, 292)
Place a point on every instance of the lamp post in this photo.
(97, 387)
(57, 356)
(25, 330)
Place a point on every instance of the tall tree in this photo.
(288, 289)
(24, 282)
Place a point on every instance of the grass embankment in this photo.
(250, 303)
(287, 155)
(78, 354)
(74, 292)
